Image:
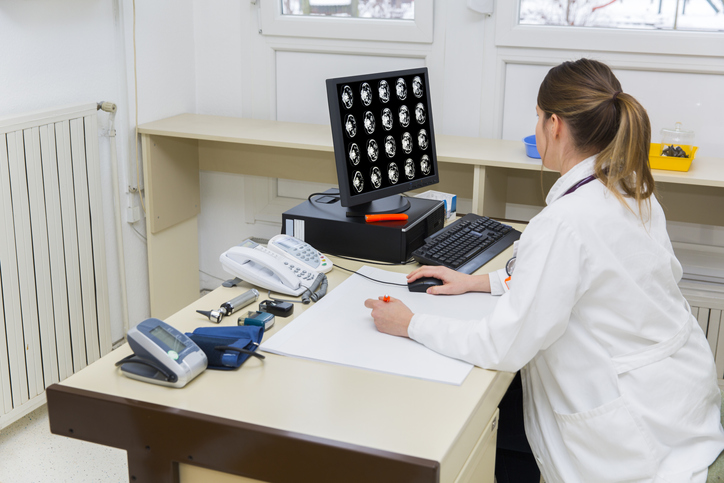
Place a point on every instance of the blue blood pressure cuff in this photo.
(227, 348)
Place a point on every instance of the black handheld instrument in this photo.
(228, 308)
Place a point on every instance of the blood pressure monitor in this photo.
(162, 355)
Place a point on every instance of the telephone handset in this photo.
(260, 266)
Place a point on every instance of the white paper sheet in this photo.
(339, 329)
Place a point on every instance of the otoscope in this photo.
(228, 308)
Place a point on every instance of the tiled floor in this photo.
(29, 453)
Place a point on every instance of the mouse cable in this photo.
(371, 262)
(370, 278)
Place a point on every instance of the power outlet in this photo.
(133, 214)
(133, 209)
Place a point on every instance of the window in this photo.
(399, 9)
(625, 14)
(376, 20)
(627, 26)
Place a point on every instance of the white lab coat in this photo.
(619, 382)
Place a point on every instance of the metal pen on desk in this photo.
(228, 308)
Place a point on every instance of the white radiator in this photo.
(707, 305)
(54, 316)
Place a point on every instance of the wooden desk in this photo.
(286, 419)
(175, 149)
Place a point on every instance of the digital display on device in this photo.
(172, 342)
(383, 134)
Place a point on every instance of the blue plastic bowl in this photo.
(530, 148)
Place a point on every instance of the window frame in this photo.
(419, 30)
(509, 33)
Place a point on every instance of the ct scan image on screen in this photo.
(383, 134)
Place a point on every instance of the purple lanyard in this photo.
(579, 184)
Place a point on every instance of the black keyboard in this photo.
(466, 244)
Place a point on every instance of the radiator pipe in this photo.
(111, 108)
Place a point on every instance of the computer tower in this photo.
(324, 224)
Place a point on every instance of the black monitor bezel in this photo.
(338, 139)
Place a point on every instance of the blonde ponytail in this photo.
(624, 163)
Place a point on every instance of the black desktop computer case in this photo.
(324, 224)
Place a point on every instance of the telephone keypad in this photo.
(306, 254)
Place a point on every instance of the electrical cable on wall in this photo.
(140, 235)
(135, 93)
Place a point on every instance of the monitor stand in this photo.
(390, 204)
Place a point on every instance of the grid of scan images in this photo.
(386, 124)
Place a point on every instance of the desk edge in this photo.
(152, 432)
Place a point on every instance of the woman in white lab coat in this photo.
(618, 380)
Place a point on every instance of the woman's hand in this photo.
(453, 282)
(391, 317)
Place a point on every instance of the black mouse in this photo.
(422, 284)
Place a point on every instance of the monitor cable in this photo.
(334, 196)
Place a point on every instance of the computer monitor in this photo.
(384, 141)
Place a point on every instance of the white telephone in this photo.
(286, 268)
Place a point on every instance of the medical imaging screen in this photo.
(386, 127)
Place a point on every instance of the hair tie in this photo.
(615, 95)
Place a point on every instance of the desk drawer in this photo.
(480, 465)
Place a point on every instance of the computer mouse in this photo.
(422, 284)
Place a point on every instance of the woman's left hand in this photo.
(391, 317)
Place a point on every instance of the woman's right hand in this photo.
(453, 282)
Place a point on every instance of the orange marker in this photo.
(386, 298)
(386, 217)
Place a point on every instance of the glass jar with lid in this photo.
(677, 142)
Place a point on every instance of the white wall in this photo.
(303, 98)
(166, 72)
(219, 64)
(165, 57)
(79, 51)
